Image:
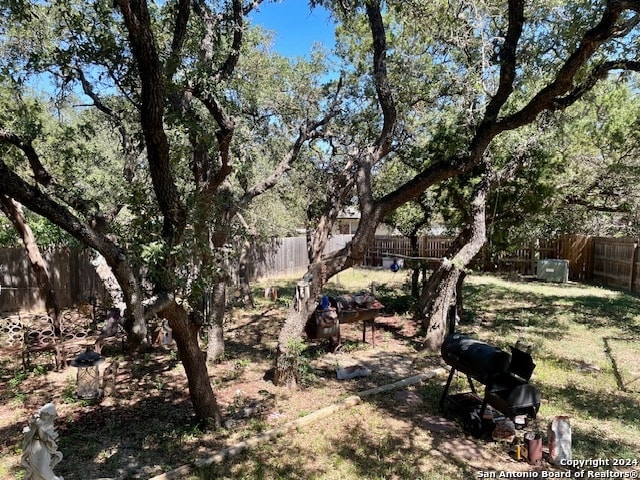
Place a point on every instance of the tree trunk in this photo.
(415, 270)
(243, 275)
(109, 282)
(287, 371)
(135, 323)
(13, 211)
(219, 282)
(440, 292)
(459, 296)
(435, 301)
(215, 330)
(185, 333)
(290, 342)
(415, 282)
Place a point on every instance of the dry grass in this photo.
(585, 344)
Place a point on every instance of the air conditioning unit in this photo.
(553, 270)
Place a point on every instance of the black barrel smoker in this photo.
(505, 377)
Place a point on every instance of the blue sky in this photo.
(296, 26)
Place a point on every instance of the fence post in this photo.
(591, 252)
(634, 260)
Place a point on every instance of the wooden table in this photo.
(363, 315)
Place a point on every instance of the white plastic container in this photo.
(560, 439)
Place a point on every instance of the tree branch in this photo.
(179, 34)
(42, 177)
(599, 73)
(234, 52)
(37, 201)
(380, 78)
(250, 6)
(138, 22)
(508, 60)
(87, 88)
(224, 135)
(546, 98)
(310, 131)
(40, 174)
(576, 200)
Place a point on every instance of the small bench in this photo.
(35, 335)
(40, 338)
(73, 341)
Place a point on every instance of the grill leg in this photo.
(471, 386)
(445, 392)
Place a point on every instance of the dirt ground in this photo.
(144, 425)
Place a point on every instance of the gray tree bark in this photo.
(13, 211)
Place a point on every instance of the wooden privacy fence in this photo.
(615, 262)
(75, 280)
(429, 247)
(609, 261)
(287, 256)
(606, 260)
(73, 277)
(577, 249)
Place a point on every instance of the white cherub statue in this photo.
(39, 448)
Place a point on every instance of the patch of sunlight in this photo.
(545, 288)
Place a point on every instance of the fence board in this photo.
(578, 249)
(389, 246)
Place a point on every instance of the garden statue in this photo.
(39, 449)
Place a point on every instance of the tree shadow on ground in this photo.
(595, 403)
(128, 438)
(364, 446)
(145, 423)
(132, 441)
(547, 314)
